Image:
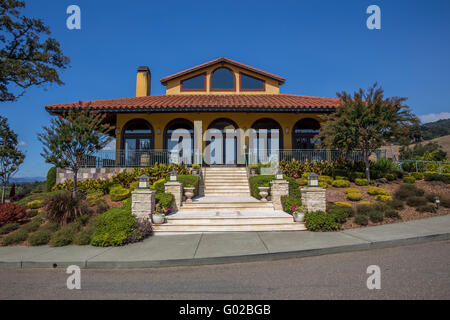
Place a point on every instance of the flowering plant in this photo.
(297, 209)
(159, 209)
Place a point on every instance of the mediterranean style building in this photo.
(221, 95)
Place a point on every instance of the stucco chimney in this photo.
(143, 81)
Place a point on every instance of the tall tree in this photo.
(71, 139)
(10, 156)
(366, 121)
(28, 57)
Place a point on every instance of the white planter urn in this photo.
(299, 216)
(263, 193)
(189, 193)
(158, 218)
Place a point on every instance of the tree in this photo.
(26, 59)
(366, 121)
(10, 156)
(71, 139)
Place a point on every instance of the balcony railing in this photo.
(147, 158)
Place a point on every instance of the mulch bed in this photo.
(407, 214)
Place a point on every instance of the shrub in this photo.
(40, 238)
(101, 206)
(84, 237)
(165, 199)
(65, 235)
(409, 179)
(351, 190)
(353, 196)
(361, 182)
(258, 181)
(302, 182)
(357, 175)
(383, 198)
(341, 178)
(363, 209)
(15, 237)
(391, 213)
(438, 177)
(417, 175)
(341, 183)
(93, 197)
(375, 191)
(134, 185)
(290, 201)
(390, 176)
(31, 213)
(445, 202)
(9, 227)
(431, 197)
(51, 178)
(294, 187)
(320, 221)
(33, 225)
(339, 173)
(142, 229)
(119, 193)
(189, 179)
(159, 186)
(361, 220)
(340, 214)
(323, 184)
(343, 204)
(63, 208)
(416, 201)
(35, 204)
(326, 179)
(426, 208)
(376, 216)
(368, 203)
(396, 204)
(10, 212)
(50, 227)
(113, 227)
(407, 190)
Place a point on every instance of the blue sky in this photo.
(320, 47)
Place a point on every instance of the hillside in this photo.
(435, 129)
(443, 141)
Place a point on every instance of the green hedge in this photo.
(259, 181)
(321, 221)
(119, 193)
(165, 199)
(188, 179)
(51, 178)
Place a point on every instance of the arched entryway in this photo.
(179, 132)
(228, 145)
(267, 140)
(137, 142)
(304, 134)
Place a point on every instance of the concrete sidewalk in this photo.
(213, 248)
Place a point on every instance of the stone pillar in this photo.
(314, 199)
(278, 188)
(143, 203)
(175, 188)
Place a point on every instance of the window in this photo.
(304, 135)
(222, 79)
(251, 83)
(194, 83)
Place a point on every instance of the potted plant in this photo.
(159, 216)
(264, 191)
(189, 192)
(298, 213)
(196, 169)
(253, 169)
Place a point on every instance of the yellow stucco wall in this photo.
(242, 120)
(271, 86)
(142, 84)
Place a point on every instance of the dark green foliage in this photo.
(391, 213)
(119, 193)
(101, 206)
(33, 225)
(142, 229)
(391, 176)
(435, 129)
(15, 237)
(408, 190)
(356, 175)
(65, 235)
(361, 220)
(166, 199)
(339, 173)
(51, 178)
(40, 238)
(321, 221)
(187, 179)
(64, 208)
(114, 226)
(396, 204)
(363, 209)
(31, 213)
(50, 227)
(340, 214)
(159, 186)
(84, 237)
(419, 151)
(426, 208)
(259, 181)
(294, 187)
(416, 201)
(409, 179)
(289, 201)
(9, 227)
(376, 216)
(438, 177)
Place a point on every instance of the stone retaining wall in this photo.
(89, 173)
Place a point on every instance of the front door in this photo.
(223, 147)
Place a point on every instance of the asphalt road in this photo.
(411, 272)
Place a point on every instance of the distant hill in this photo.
(442, 141)
(435, 129)
(27, 179)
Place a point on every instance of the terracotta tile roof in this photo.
(222, 59)
(224, 102)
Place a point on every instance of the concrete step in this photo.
(228, 205)
(229, 222)
(230, 187)
(226, 194)
(168, 227)
(235, 183)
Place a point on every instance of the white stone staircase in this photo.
(227, 207)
